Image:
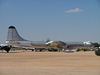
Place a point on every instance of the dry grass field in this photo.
(49, 63)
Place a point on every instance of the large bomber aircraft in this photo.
(14, 39)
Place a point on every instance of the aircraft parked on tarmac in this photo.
(15, 39)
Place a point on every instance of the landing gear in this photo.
(7, 49)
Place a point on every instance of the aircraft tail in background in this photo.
(13, 35)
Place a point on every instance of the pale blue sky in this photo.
(65, 20)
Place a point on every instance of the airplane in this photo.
(13, 38)
(5, 47)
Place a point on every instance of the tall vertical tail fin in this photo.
(13, 35)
